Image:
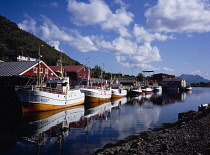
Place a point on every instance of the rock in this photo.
(190, 135)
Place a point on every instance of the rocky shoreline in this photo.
(189, 135)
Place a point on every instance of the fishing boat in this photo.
(147, 89)
(136, 91)
(157, 88)
(53, 93)
(189, 88)
(99, 93)
(117, 90)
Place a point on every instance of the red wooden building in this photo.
(19, 73)
(78, 73)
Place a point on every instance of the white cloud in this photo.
(98, 12)
(118, 46)
(179, 16)
(120, 2)
(50, 31)
(196, 72)
(83, 44)
(47, 31)
(166, 69)
(123, 31)
(141, 57)
(29, 25)
(189, 35)
(54, 4)
(117, 20)
(88, 13)
(54, 44)
(142, 35)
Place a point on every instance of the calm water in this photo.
(86, 128)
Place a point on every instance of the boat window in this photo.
(64, 84)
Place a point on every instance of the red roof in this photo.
(75, 68)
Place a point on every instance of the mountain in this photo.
(193, 78)
(15, 40)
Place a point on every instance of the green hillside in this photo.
(13, 39)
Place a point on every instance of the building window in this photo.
(84, 75)
(41, 70)
(35, 69)
(46, 70)
(80, 75)
(84, 69)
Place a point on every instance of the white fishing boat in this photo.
(136, 91)
(118, 91)
(189, 88)
(54, 93)
(157, 88)
(100, 93)
(96, 94)
(146, 89)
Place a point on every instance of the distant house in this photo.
(13, 56)
(117, 75)
(173, 83)
(19, 73)
(161, 76)
(78, 73)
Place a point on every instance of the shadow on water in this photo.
(10, 116)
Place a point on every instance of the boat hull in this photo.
(116, 93)
(97, 95)
(147, 90)
(33, 100)
(135, 92)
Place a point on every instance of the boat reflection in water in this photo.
(45, 128)
(53, 127)
(100, 108)
(92, 125)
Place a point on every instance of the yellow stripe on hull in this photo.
(96, 99)
(117, 96)
(33, 107)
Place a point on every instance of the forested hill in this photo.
(15, 40)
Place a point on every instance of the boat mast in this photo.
(39, 77)
(146, 82)
(88, 80)
(61, 67)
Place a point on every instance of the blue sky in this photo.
(127, 36)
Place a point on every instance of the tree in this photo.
(96, 71)
(140, 77)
